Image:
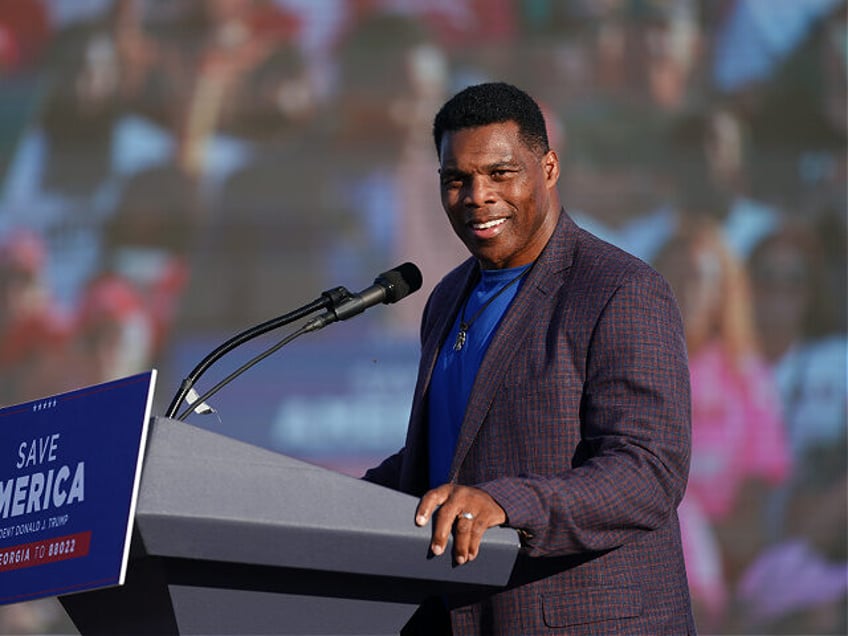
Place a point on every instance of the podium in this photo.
(230, 538)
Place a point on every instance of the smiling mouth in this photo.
(487, 224)
(487, 230)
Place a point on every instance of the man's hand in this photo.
(468, 511)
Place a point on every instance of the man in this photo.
(552, 396)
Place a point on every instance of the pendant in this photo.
(460, 337)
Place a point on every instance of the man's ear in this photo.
(550, 164)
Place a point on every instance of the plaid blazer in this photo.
(578, 425)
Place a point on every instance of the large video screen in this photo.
(174, 172)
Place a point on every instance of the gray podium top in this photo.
(235, 539)
(207, 496)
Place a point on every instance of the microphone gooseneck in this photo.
(329, 298)
(389, 287)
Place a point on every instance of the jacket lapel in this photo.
(444, 320)
(414, 477)
(540, 283)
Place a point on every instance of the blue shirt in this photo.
(455, 371)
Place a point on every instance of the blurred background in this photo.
(175, 171)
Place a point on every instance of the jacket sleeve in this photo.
(389, 472)
(630, 468)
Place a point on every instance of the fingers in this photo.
(429, 502)
(462, 511)
(436, 504)
(468, 533)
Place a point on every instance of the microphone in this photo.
(389, 287)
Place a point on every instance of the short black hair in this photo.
(493, 103)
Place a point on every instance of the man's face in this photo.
(499, 195)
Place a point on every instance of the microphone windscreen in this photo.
(400, 282)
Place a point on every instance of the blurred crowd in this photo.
(174, 167)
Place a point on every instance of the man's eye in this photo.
(452, 182)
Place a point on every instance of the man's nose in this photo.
(478, 192)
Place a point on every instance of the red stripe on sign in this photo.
(29, 555)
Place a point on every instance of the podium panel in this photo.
(231, 538)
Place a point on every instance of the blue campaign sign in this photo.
(69, 472)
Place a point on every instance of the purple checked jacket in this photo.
(579, 426)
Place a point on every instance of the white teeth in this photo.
(487, 224)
